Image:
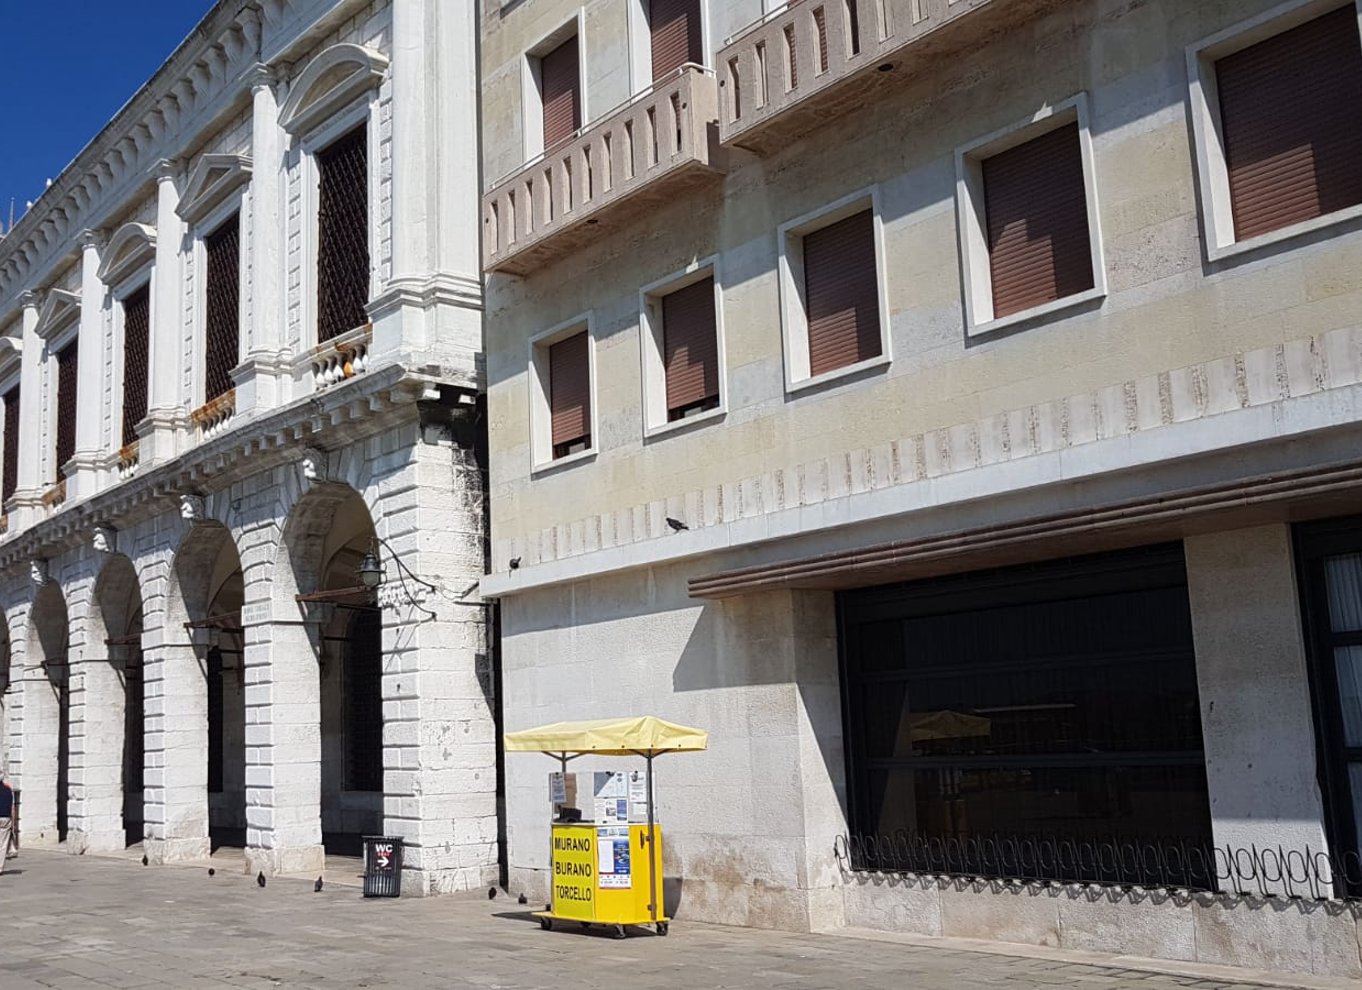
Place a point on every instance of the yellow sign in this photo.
(574, 872)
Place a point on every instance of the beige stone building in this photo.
(953, 406)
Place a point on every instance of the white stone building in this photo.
(953, 406)
(240, 341)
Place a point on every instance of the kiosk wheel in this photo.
(663, 927)
(546, 923)
(617, 931)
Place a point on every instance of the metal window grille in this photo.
(222, 318)
(11, 466)
(363, 688)
(136, 357)
(343, 236)
(68, 361)
(215, 722)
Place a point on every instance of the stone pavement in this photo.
(90, 922)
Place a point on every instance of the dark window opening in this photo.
(343, 236)
(363, 692)
(11, 463)
(841, 293)
(136, 360)
(1051, 702)
(222, 323)
(559, 82)
(68, 373)
(674, 26)
(215, 721)
(690, 349)
(570, 396)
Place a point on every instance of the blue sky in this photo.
(65, 69)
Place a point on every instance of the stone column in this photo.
(431, 309)
(84, 478)
(175, 728)
(1256, 713)
(96, 771)
(283, 715)
(262, 376)
(439, 741)
(26, 503)
(166, 422)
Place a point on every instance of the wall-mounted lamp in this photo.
(370, 571)
(371, 575)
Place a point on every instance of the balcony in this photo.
(812, 61)
(606, 175)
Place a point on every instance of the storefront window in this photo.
(1054, 702)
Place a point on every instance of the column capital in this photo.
(167, 169)
(260, 76)
(91, 239)
(29, 299)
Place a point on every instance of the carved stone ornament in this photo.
(37, 572)
(104, 539)
(316, 464)
(192, 508)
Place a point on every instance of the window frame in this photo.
(972, 219)
(1217, 219)
(542, 460)
(651, 350)
(641, 48)
(57, 341)
(361, 112)
(531, 93)
(11, 377)
(206, 227)
(794, 322)
(119, 293)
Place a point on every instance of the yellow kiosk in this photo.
(595, 881)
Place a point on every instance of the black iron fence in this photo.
(1167, 864)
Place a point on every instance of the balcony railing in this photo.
(339, 359)
(634, 155)
(215, 415)
(822, 46)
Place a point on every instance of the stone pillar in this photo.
(439, 741)
(429, 314)
(83, 480)
(283, 716)
(96, 771)
(262, 376)
(25, 505)
(1256, 713)
(159, 435)
(176, 729)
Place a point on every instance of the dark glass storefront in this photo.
(1053, 702)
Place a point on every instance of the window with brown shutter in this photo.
(343, 236)
(222, 322)
(1036, 209)
(68, 369)
(570, 395)
(1291, 119)
(690, 349)
(558, 83)
(11, 463)
(841, 293)
(675, 28)
(136, 357)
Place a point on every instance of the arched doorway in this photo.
(114, 704)
(327, 536)
(205, 606)
(47, 718)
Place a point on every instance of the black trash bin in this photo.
(382, 866)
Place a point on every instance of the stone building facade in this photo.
(952, 407)
(240, 337)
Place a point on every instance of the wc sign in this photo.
(383, 855)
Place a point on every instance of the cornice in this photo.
(211, 181)
(333, 79)
(132, 247)
(342, 415)
(60, 309)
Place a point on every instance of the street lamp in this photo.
(370, 571)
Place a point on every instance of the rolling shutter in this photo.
(841, 293)
(343, 236)
(1037, 209)
(11, 467)
(222, 323)
(690, 348)
(569, 394)
(136, 342)
(675, 27)
(558, 89)
(1291, 115)
(68, 371)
